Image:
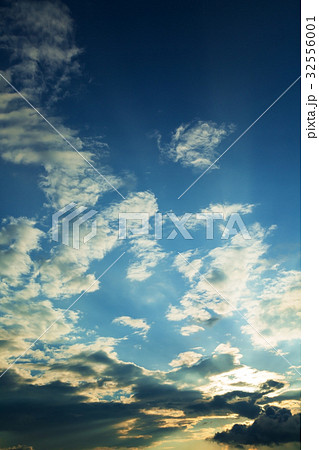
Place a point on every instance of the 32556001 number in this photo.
(310, 50)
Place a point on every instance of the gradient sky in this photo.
(153, 356)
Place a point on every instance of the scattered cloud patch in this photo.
(39, 35)
(195, 144)
(18, 237)
(238, 275)
(148, 254)
(191, 329)
(137, 324)
(186, 359)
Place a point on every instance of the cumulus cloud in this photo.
(186, 358)
(276, 310)
(23, 322)
(18, 237)
(29, 308)
(238, 275)
(64, 272)
(195, 144)
(181, 262)
(116, 403)
(274, 426)
(239, 375)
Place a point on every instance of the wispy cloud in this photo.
(39, 36)
(195, 144)
(191, 329)
(266, 294)
(137, 324)
(148, 253)
(39, 39)
(26, 139)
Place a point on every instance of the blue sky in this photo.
(181, 339)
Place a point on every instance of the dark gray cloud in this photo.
(271, 386)
(236, 402)
(274, 426)
(60, 415)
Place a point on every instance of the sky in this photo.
(172, 343)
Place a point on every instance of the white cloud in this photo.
(228, 268)
(138, 324)
(189, 307)
(148, 254)
(195, 144)
(191, 329)
(276, 311)
(188, 270)
(241, 277)
(26, 139)
(136, 202)
(228, 208)
(23, 321)
(146, 250)
(43, 56)
(18, 237)
(186, 359)
(248, 378)
(64, 272)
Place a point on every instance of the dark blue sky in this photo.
(154, 65)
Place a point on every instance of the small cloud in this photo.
(139, 324)
(195, 144)
(186, 359)
(18, 237)
(190, 329)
